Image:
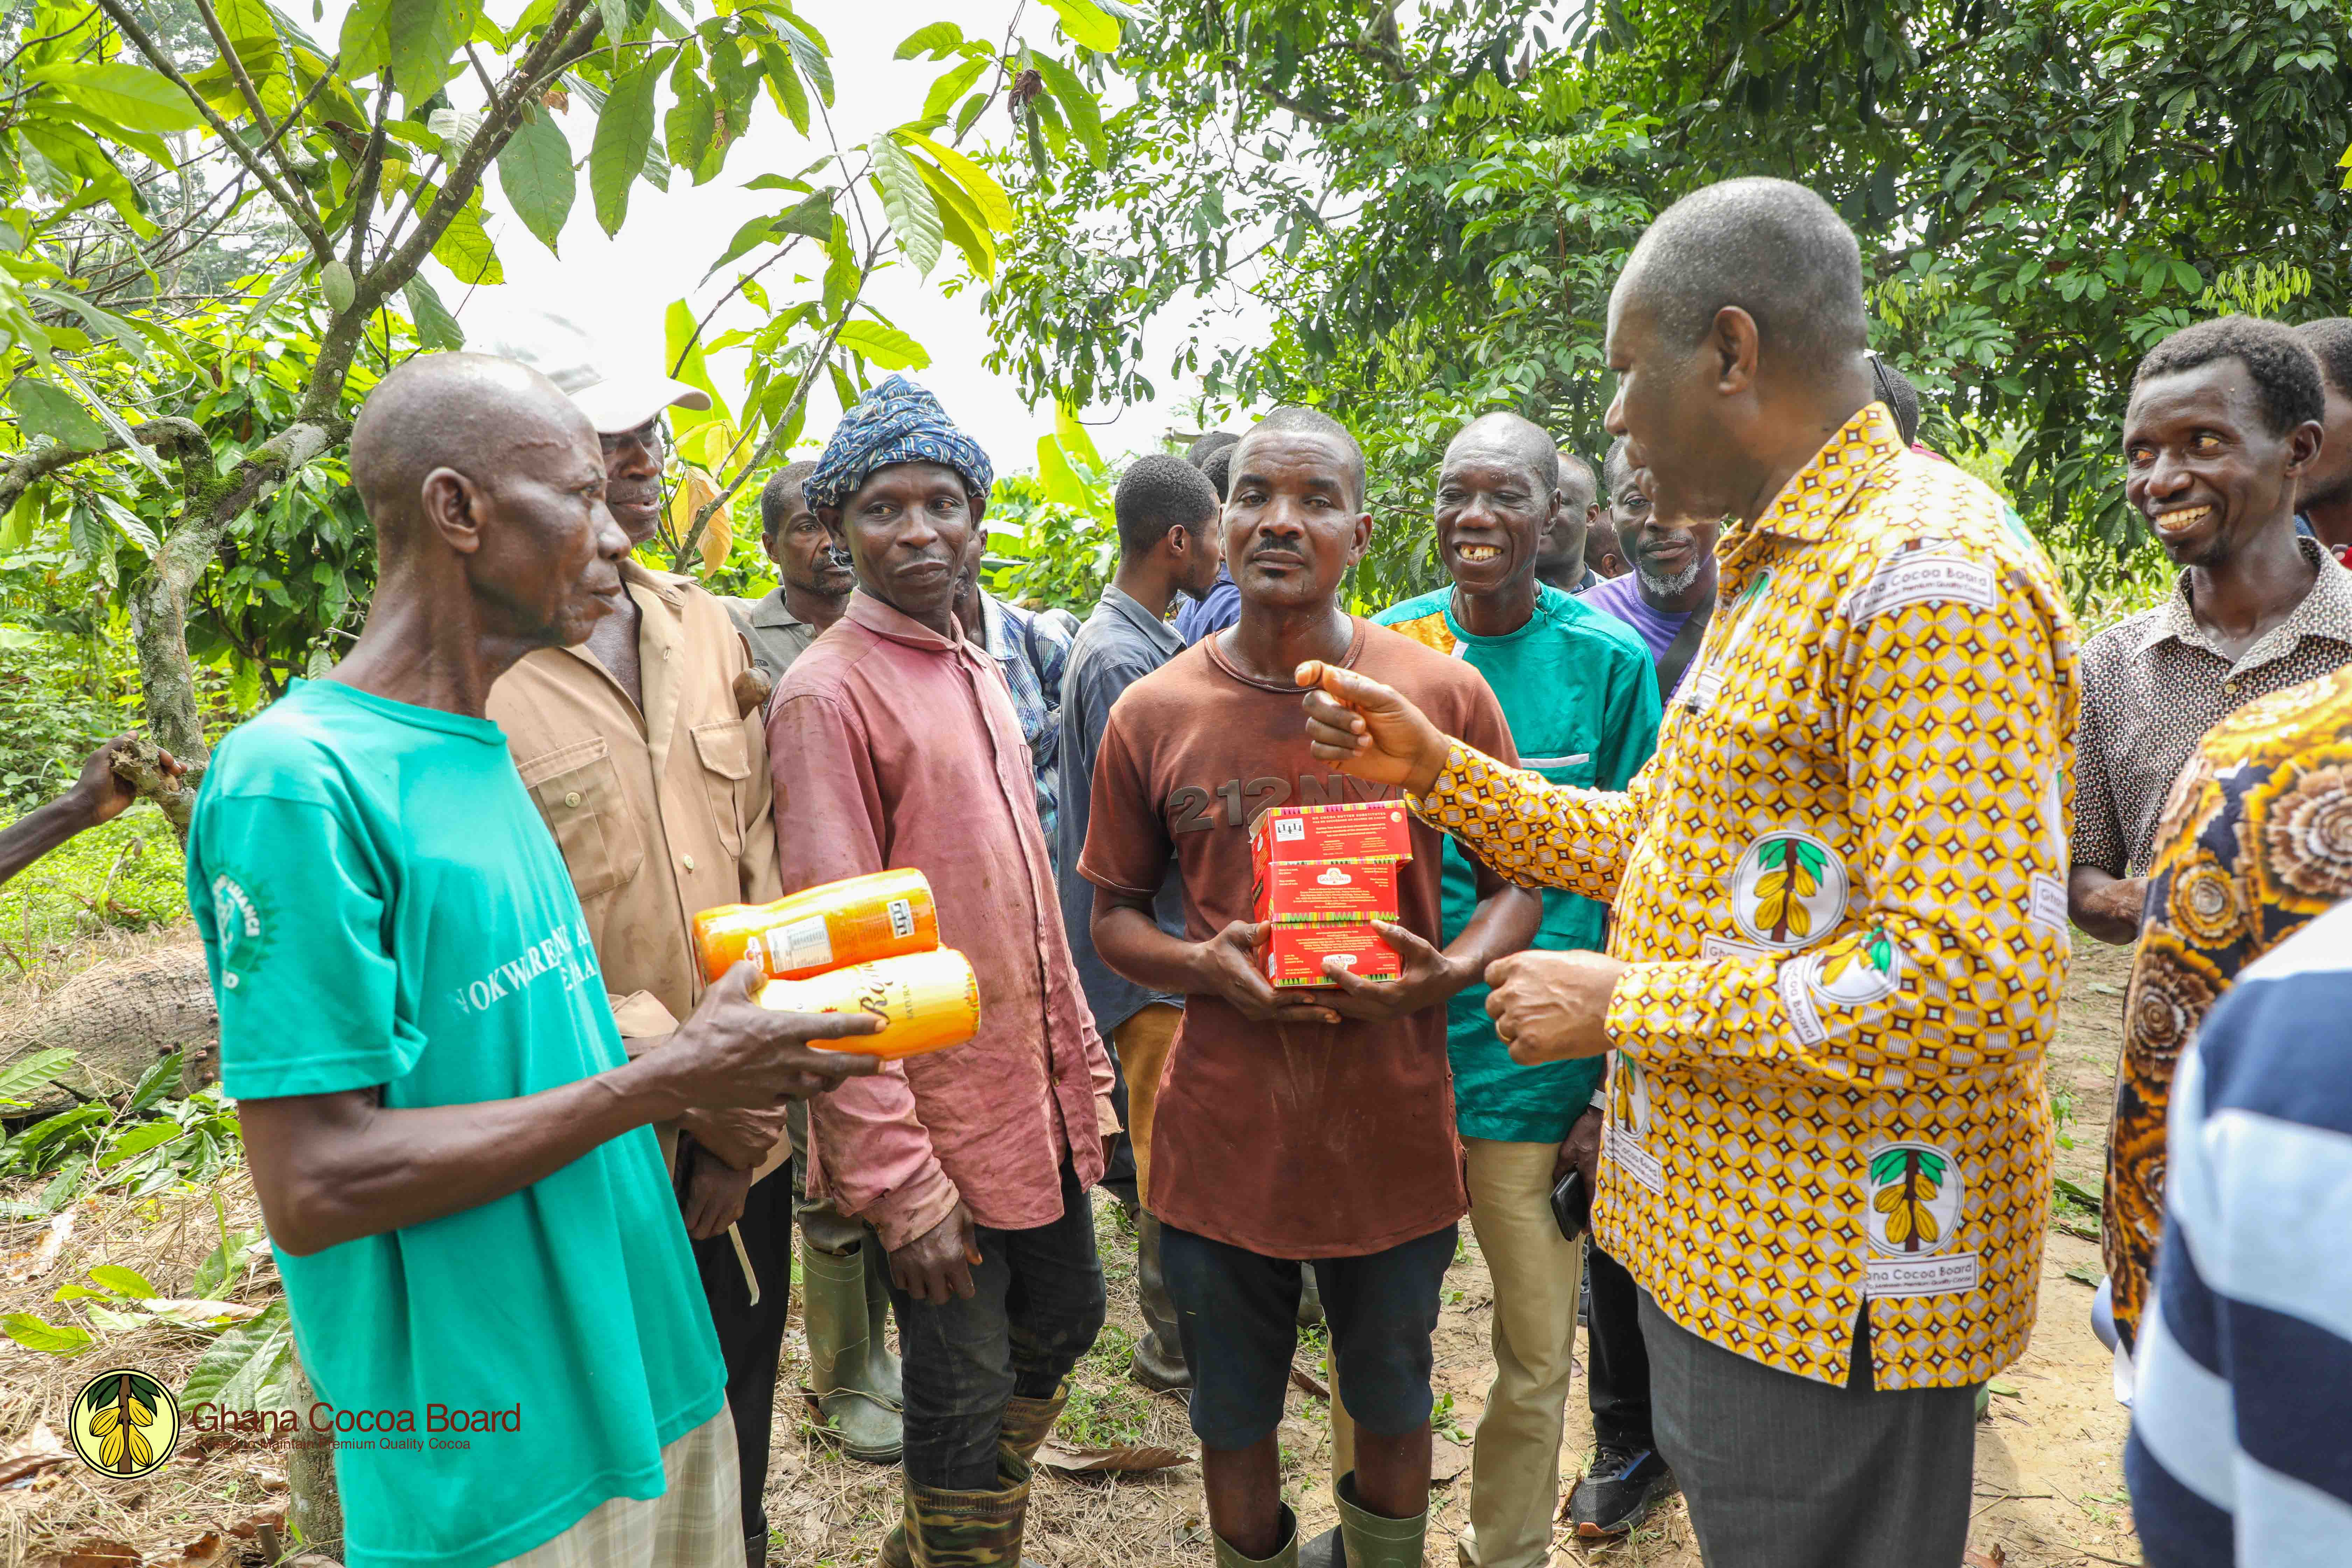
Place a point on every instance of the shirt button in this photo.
(572, 798)
(2231, 688)
(690, 861)
(665, 653)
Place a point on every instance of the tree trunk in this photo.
(167, 677)
(119, 1018)
(313, 1506)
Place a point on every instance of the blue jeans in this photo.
(1036, 1305)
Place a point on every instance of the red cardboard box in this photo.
(1294, 953)
(1352, 830)
(1305, 892)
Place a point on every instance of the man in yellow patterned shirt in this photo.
(1840, 913)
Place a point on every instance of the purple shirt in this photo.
(1619, 597)
(892, 746)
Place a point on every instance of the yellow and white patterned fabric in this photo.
(1839, 886)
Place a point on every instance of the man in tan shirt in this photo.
(656, 787)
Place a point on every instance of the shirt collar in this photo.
(2326, 612)
(884, 621)
(1126, 606)
(995, 628)
(670, 588)
(1863, 452)
(772, 611)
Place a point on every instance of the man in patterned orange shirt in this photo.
(1840, 917)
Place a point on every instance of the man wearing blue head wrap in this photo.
(894, 742)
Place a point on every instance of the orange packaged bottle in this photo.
(855, 921)
(926, 1002)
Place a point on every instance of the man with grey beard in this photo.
(1669, 595)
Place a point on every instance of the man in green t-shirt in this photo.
(484, 1263)
(1582, 702)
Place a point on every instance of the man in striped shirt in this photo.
(2239, 1449)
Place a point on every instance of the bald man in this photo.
(1564, 557)
(1577, 689)
(1840, 923)
(455, 1157)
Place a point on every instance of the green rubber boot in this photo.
(1028, 1422)
(858, 1414)
(1366, 1540)
(1285, 1556)
(881, 1361)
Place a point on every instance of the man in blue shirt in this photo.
(1169, 547)
(455, 1158)
(1221, 606)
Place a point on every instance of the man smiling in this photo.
(1312, 1127)
(1577, 688)
(1668, 596)
(2223, 424)
(894, 742)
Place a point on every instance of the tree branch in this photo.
(370, 176)
(46, 456)
(244, 81)
(297, 212)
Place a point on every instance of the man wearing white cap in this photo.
(658, 790)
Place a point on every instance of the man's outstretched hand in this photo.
(1368, 729)
(1552, 1006)
(735, 1053)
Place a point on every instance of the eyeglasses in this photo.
(653, 435)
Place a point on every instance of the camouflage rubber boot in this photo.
(1027, 1421)
(1285, 1556)
(963, 1530)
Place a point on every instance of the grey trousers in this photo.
(1783, 1472)
(823, 1226)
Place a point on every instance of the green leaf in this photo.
(243, 1365)
(435, 326)
(1085, 115)
(135, 529)
(810, 55)
(952, 86)
(986, 195)
(365, 43)
(812, 217)
(960, 221)
(1086, 23)
(886, 348)
(465, 249)
(48, 1338)
(759, 231)
(131, 96)
(1074, 437)
(45, 410)
(914, 216)
(123, 1281)
(683, 353)
(624, 132)
(2089, 1199)
(535, 174)
(691, 123)
(20, 1078)
(785, 86)
(937, 40)
(423, 37)
(138, 1141)
(1062, 483)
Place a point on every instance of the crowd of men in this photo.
(1753, 788)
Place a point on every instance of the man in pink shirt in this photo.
(894, 743)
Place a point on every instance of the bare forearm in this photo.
(1131, 943)
(2105, 905)
(1504, 922)
(40, 831)
(361, 1170)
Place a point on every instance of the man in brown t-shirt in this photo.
(1292, 1127)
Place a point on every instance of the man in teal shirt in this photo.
(1583, 701)
(490, 1286)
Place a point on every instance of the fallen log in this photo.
(119, 1018)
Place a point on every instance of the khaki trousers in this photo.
(696, 1523)
(1515, 1454)
(1142, 1044)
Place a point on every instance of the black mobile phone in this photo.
(1572, 1205)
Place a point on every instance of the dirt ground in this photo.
(2049, 1475)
